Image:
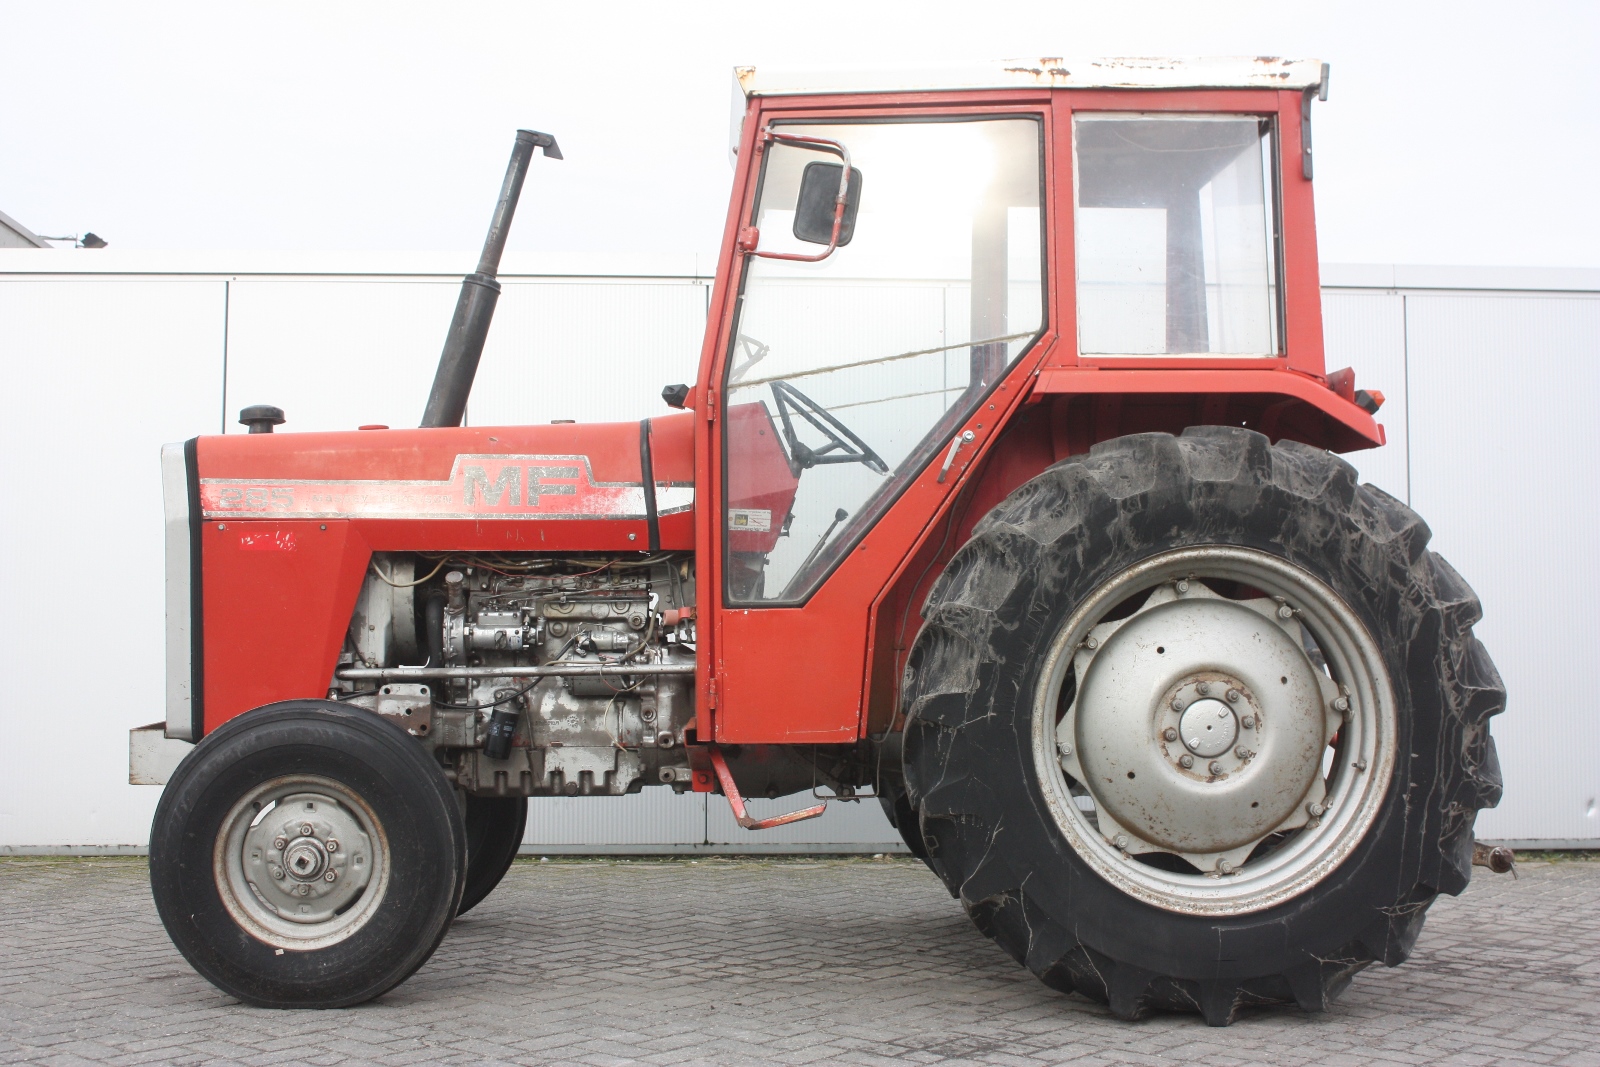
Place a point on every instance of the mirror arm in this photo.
(769, 135)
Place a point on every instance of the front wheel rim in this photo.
(301, 862)
(1109, 708)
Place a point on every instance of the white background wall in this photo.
(1491, 377)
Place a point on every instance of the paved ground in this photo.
(668, 962)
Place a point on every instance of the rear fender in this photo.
(1069, 411)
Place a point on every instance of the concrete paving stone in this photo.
(816, 962)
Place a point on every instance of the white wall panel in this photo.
(338, 353)
(1505, 449)
(1366, 332)
(335, 353)
(100, 371)
(658, 819)
(98, 374)
(594, 351)
(651, 817)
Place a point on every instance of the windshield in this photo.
(848, 375)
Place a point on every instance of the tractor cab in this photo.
(997, 266)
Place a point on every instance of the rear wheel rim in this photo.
(1147, 765)
(301, 862)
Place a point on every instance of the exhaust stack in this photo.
(463, 345)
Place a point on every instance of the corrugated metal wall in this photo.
(1505, 465)
(1489, 378)
(1493, 439)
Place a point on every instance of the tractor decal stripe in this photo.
(497, 486)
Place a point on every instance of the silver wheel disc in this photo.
(301, 862)
(1215, 730)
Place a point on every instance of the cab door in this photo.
(850, 389)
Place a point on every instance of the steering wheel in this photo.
(754, 352)
(843, 446)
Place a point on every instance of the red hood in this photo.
(464, 483)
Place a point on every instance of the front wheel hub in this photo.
(301, 862)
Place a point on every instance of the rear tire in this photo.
(903, 817)
(307, 855)
(1138, 926)
(494, 833)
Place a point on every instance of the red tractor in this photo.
(1006, 494)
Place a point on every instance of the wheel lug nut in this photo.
(331, 845)
(330, 876)
(1121, 841)
(1341, 705)
(1216, 767)
(1091, 643)
(279, 843)
(1203, 688)
(306, 830)
(1315, 810)
(1186, 761)
(1224, 867)
(1183, 587)
(1242, 752)
(1170, 733)
(1177, 704)
(1233, 696)
(1248, 722)
(277, 872)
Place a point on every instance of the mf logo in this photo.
(507, 488)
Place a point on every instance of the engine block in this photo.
(451, 632)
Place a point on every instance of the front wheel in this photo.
(1198, 722)
(307, 855)
(494, 834)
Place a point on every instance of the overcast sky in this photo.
(1459, 133)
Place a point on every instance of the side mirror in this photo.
(815, 208)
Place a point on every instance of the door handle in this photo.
(955, 446)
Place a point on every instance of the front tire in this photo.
(1160, 583)
(307, 855)
(494, 833)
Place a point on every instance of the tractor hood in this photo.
(602, 486)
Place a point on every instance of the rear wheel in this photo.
(1198, 722)
(307, 855)
(494, 833)
(903, 817)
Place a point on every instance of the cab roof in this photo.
(1128, 72)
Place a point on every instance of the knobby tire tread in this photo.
(968, 706)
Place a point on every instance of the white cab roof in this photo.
(1129, 72)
